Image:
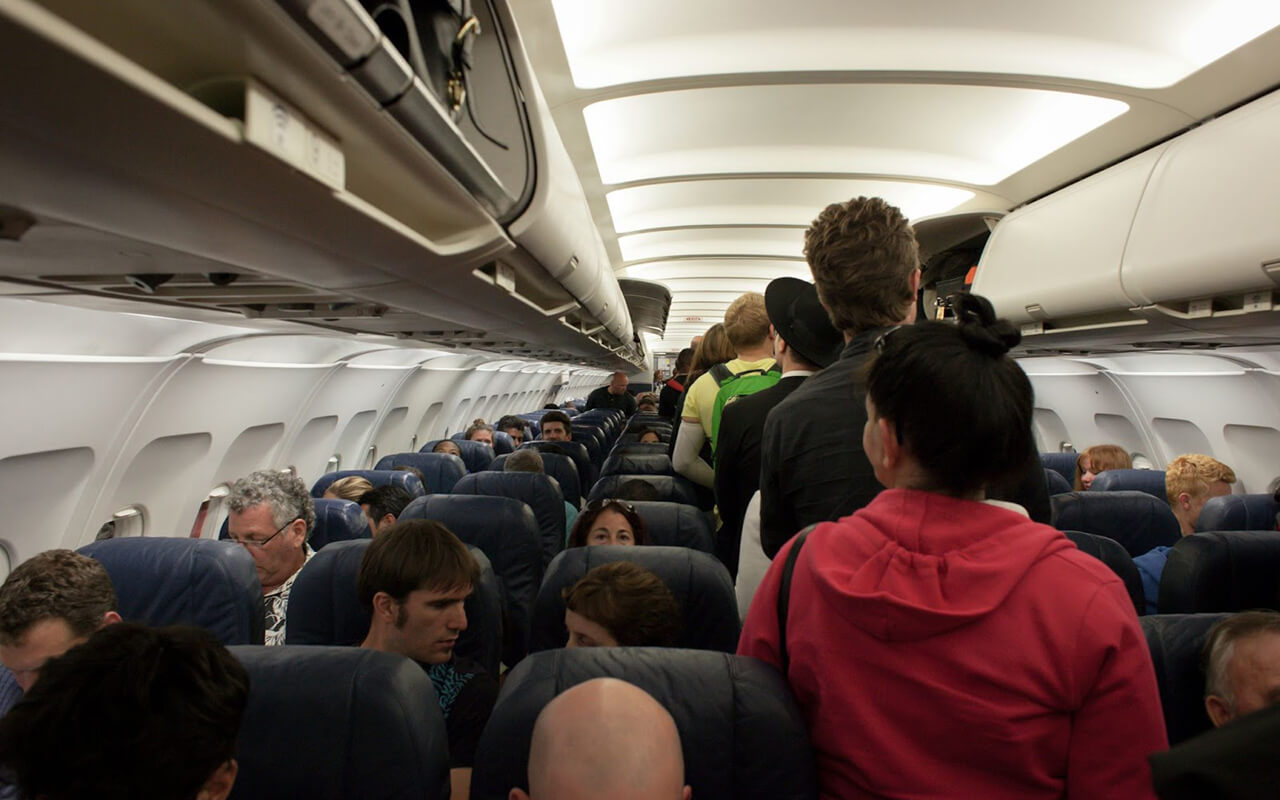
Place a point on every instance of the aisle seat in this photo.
(1222, 571)
(1113, 554)
(1150, 481)
(442, 470)
(646, 464)
(538, 491)
(676, 525)
(378, 477)
(1239, 512)
(671, 489)
(1175, 641)
(556, 465)
(1062, 463)
(1136, 520)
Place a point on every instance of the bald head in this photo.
(605, 738)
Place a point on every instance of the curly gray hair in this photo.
(286, 494)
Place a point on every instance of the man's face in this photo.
(428, 624)
(618, 385)
(484, 436)
(46, 639)
(517, 435)
(1254, 673)
(277, 552)
(555, 432)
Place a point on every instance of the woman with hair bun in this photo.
(941, 644)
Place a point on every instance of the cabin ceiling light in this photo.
(1141, 43)
(649, 245)
(716, 268)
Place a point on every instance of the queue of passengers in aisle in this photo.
(944, 640)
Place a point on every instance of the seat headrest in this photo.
(700, 583)
(1136, 520)
(506, 531)
(540, 492)
(325, 609)
(637, 449)
(1150, 481)
(740, 730)
(576, 451)
(1175, 641)
(170, 581)
(631, 437)
(1055, 482)
(556, 465)
(1222, 571)
(378, 477)
(1239, 512)
(338, 521)
(671, 489)
(646, 464)
(441, 469)
(676, 525)
(1111, 553)
(475, 455)
(502, 443)
(1062, 463)
(330, 723)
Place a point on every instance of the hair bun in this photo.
(980, 328)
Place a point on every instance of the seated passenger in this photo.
(1189, 482)
(1241, 661)
(272, 515)
(608, 522)
(352, 488)
(1099, 458)
(638, 491)
(383, 505)
(134, 712)
(556, 427)
(648, 436)
(647, 403)
(531, 461)
(415, 472)
(943, 645)
(414, 579)
(447, 446)
(480, 432)
(514, 427)
(621, 604)
(605, 738)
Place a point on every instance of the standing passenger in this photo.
(674, 386)
(614, 396)
(941, 644)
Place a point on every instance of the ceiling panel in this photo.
(787, 242)
(733, 268)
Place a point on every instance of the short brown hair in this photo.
(862, 253)
(630, 602)
(55, 584)
(746, 322)
(1194, 473)
(1220, 644)
(415, 554)
(715, 348)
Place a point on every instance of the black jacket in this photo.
(600, 398)
(670, 395)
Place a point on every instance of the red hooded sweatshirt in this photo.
(950, 648)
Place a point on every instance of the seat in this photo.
(1239, 512)
(676, 525)
(1222, 571)
(558, 466)
(647, 464)
(325, 609)
(1056, 483)
(338, 521)
(654, 421)
(475, 455)
(576, 451)
(1136, 520)
(442, 470)
(638, 449)
(593, 440)
(331, 723)
(700, 583)
(1062, 463)
(1111, 553)
(378, 477)
(506, 531)
(742, 735)
(671, 489)
(170, 581)
(502, 443)
(1175, 641)
(533, 420)
(540, 492)
(1150, 481)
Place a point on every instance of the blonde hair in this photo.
(1102, 457)
(746, 321)
(1194, 474)
(350, 488)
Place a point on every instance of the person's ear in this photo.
(1184, 501)
(219, 784)
(516, 794)
(110, 618)
(890, 447)
(687, 793)
(1218, 709)
(385, 606)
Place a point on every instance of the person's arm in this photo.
(460, 783)
(686, 460)
(759, 637)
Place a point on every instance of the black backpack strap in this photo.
(720, 373)
(784, 595)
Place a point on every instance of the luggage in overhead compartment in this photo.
(436, 37)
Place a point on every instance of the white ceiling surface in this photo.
(708, 134)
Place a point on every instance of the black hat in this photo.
(801, 320)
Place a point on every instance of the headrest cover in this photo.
(637, 464)
(670, 489)
(1136, 520)
(169, 581)
(1062, 463)
(740, 730)
(378, 477)
(675, 525)
(442, 469)
(476, 455)
(1111, 553)
(1239, 512)
(1055, 482)
(338, 521)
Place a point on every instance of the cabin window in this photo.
(211, 513)
(371, 456)
(334, 462)
(128, 521)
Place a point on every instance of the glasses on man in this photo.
(258, 544)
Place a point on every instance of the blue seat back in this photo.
(700, 583)
(533, 421)
(331, 723)
(652, 421)
(505, 531)
(475, 455)
(676, 525)
(170, 581)
(1111, 553)
(1062, 463)
(592, 440)
(378, 477)
(325, 609)
(634, 438)
(1150, 481)
(1239, 512)
(540, 492)
(671, 489)
(576, 451)
(502, 443)
(1136, 520)
(742, 735)
(442, 470)
(647, 464)
(1056, 483)
(1222, 571)
(559, 466)
(338, 521)
(637, 449)
(1175, 641)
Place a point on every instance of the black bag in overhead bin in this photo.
(436, 38)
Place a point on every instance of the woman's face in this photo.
(1087, 473)
(650, 438)
(585, 633)
(448, 447)
(610, 527)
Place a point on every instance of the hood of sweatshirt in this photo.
(916, 564)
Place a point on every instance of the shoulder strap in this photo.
(784, 595)
(720, 373)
